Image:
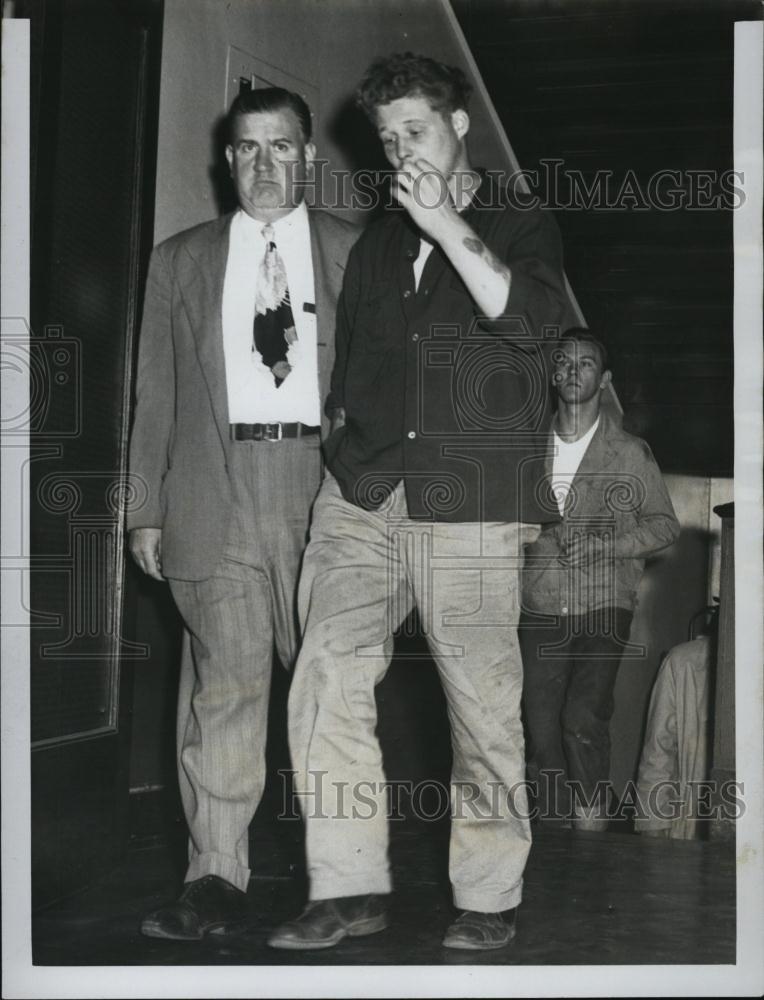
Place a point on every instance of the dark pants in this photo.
(569, 672)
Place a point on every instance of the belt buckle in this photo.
(273, 432)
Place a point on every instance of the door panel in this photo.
(95, 69)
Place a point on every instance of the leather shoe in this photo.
(325, 922)
(480, 931)
(208, 905)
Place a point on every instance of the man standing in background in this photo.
(579, 585)
(235, 355)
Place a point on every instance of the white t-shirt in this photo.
(253, 396)
(567, 458)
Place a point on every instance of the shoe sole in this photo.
(154, 931)
(479, 946)
(359, 929)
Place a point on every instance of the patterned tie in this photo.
(274, 328)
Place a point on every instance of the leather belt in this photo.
(270, 432)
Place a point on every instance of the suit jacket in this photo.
(180, 439)
(619, 495)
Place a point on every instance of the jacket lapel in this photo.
(201, 284)
(327, 282)
(600, 452)
(548, 467)
(596, 460)
(317, 250)
(549, 456)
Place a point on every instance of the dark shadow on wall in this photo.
(219, 172)
(367, 189)
(155, 808)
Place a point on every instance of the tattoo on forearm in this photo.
(498, 267)
(474, 245)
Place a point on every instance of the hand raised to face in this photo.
(423, 191)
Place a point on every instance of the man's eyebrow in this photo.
(408, 121)
(576, 355)
(251, 139)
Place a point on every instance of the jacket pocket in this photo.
(373, 317)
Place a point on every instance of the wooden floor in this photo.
(589, 898)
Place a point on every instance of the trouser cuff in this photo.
(220, 865)
(330, 887)
(488, 902)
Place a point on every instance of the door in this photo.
(94, 110)
(246, 72)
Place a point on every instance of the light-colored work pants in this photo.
(362, 572)
(232, 620)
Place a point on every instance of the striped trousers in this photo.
(233, 619)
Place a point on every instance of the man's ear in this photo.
(310, 152)
(607, 377)
(460, 121)
(229, 157)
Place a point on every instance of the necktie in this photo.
(274, 328)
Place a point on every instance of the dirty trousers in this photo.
(362, 573)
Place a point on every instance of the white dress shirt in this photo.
(253, 396)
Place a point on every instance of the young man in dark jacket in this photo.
(437, 398)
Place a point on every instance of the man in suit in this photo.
(236, 351)
(579, 585)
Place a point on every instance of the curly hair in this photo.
(407, 75)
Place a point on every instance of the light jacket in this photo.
(617, 495)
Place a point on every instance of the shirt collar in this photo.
(283, 228)
(584, 439)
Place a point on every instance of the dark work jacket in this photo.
(454, 404)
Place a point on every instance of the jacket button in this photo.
(407, 294)
(415, 336)
(411, 435)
